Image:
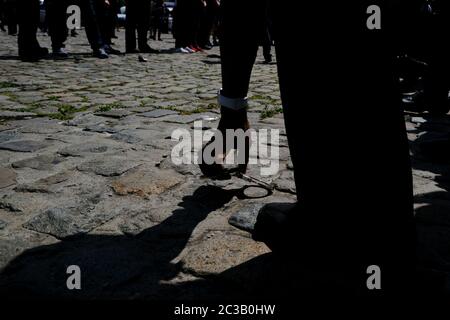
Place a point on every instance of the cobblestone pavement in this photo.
(85, 149)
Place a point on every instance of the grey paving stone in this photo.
(51, 184)
(108, 166)
(245, 218)
(42, 162)
(145, 182)
(115, 113)
(158, 113)
(79, 150)
(100, 128)
(62, 222)
(24, 145)
(7, 177)
(126, 137)
(15, 115)
(9, 135)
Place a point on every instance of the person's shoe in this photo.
(29, 57)
(33, 56)
(100, 53)
(189, 50)
(193, 49)
(148, 49)
(273, 223)
(110, 50)
(234, 120)
(60, 53)
(198, 49)
(180, 50)
(130, 51)
(42, 52)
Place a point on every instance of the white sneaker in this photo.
(181, 50)
(189, 50)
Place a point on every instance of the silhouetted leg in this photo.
(57, 18)
(239, 44)
(130, 27)
(28, 25)
(92, 24)
(238, 55)
(347, 142)
(143, 26)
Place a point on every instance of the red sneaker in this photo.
(193, 48)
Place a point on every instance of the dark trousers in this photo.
(10, 7)
(345, 130)
(28, 25)
(2, 14)
(267, 45)
(57, 22)
(181, 33)
(138, 19)
(437, 55)
(94, 15)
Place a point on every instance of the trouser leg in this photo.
(352, 177)
(11, 17)
(143, 26)
(239, 30)
(92, 24)
(28, 25)
(130, 27)
(57, 22)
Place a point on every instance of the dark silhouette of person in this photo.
(28, 19)
(57, 25)
(437, 76)
(346, 135)
(10, 14)
(2, 16)
(137, 20)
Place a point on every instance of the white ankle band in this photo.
(231, 103)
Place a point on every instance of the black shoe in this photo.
(273, 224)
(268, 60)
(29, 58)
(230, 119)
(148, 50)
(133, 51)
(110, 50)
(60, 53)
(43, 52)
(33, 56)
(100, 53)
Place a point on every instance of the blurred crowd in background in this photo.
(193, 23)
(423, 65)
